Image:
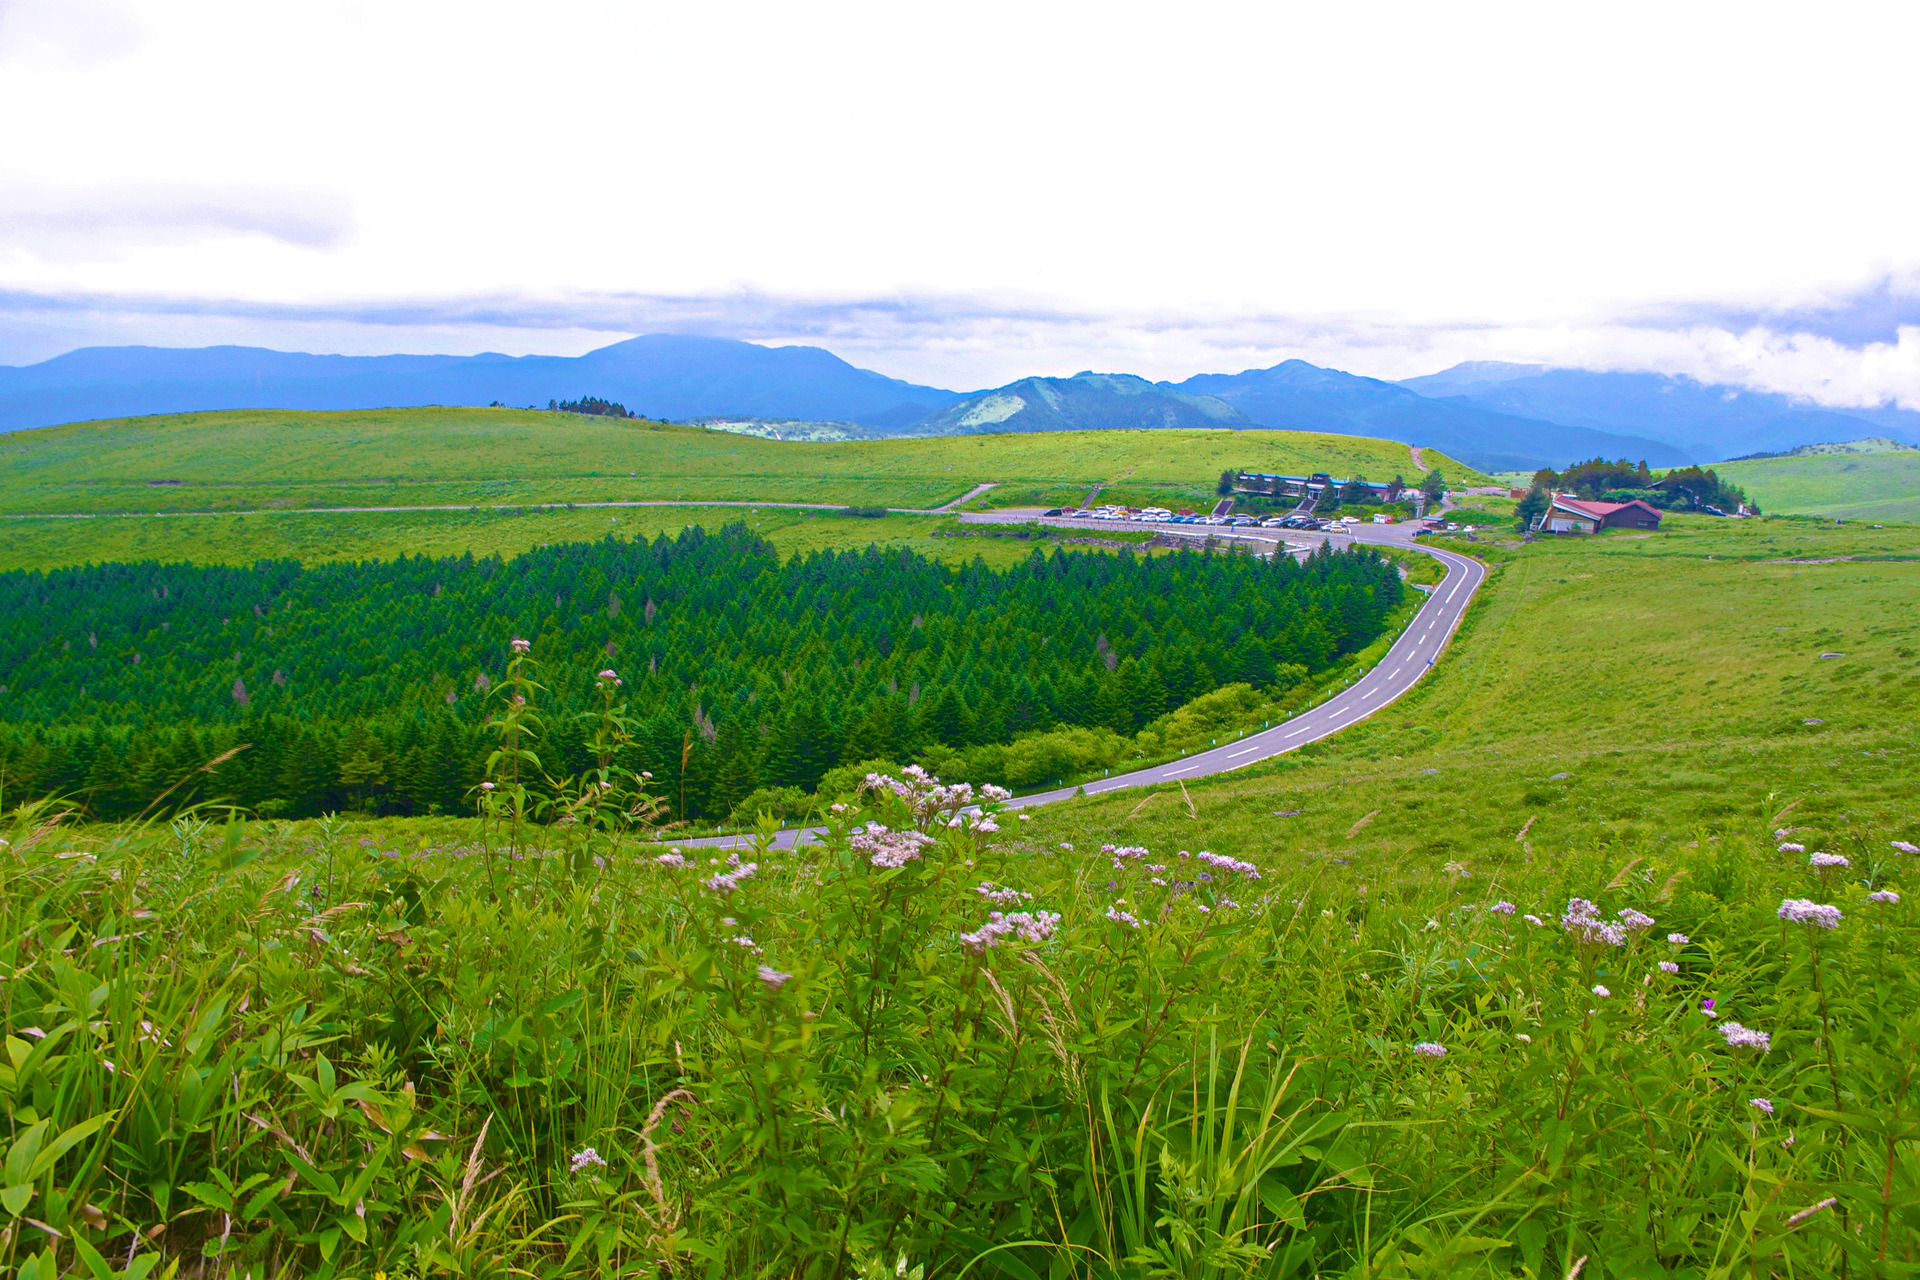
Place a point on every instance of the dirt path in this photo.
(1419, 463)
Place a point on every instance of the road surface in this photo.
(1411, 657)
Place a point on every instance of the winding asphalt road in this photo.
(1411, 657)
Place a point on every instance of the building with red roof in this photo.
(1577, 515)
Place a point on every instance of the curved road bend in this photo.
(1411, 656)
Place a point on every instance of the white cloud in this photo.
(1111, 185)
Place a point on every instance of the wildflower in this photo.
(1121, 917)
(1807, 911)
(986, 825)
(1739, 1037)
(521, 646)
(1503, 908)
(746, 942)
(587, 1158)
(671, 860)
(837, 808)
(1000, 893)
(889, 850)
(1429, 1049)
(1678, 939)
(1668, 966)
(1534, 920)
(609, 676)
(1706, 1005)
(1791, 847)
(1828, 860)
(1886, 896)
(1636, 921)
(772, 979)
(486, 786)
(1028, 926)
(994, 795)
(1024, 817)
(1601, 991)
(726, 882)
(1524, 1038)
(1583, 922)
(1067, 847)
(1234, 865)
(1761, 1104)
(1906, 847)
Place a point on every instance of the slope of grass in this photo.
(432, 1055)
(1864, 486)
(397, 457)
(312, 538)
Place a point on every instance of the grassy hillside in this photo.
(48, 542)
(1434, 1076)
(1853, 486)
(271, 458)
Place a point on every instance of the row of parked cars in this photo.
(1160, 515)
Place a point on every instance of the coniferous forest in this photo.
(368, 686)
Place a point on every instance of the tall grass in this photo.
(284, 1049)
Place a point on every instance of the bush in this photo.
(784, 803)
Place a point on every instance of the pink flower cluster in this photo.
(772, 978)
(671, 860)
(1000, 893)
(1906, 846)
(1126, 918)
(1028, 926)
(610, 676)
(1582, 920)
(1503, 908)
(521, 646)
(1886, 897)
(1635, 921)
(889, 850)
(1225, 863)
(1828, 860)
(1739, 1037)
(1791, 847)
(728, 881)
(1807, 911)
(930, 799)
(1429, 1049)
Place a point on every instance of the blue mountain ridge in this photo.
(664, 375)
(1491, 415)
(1709, 421)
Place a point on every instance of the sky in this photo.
(966, 194)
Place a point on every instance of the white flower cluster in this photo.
(889, 849)
(1028, 926)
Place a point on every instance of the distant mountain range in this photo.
(1494, 416)
(662, 375)
(1304, 397)
(1707, 421)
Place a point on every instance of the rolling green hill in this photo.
(399, 457)
(1880, 485)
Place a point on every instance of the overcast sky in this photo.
(966, 193)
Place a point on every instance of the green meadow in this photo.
(480, 457)
(1851, 486)
(1497, 983)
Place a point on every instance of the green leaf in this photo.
(16, 1199)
